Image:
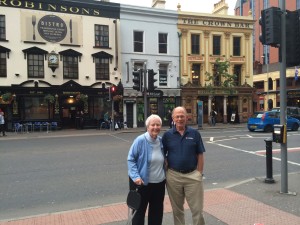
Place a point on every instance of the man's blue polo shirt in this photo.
(182, 151)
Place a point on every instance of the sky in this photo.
(202, 6)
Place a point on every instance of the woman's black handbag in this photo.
(133, 203)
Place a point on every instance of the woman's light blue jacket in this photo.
(139, 157)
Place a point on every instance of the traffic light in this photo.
(292, 38)
(137, 80)
(151, 80)
(270, 23)
(112, 92)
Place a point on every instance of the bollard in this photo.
(269, 179)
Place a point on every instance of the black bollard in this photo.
(269, 179)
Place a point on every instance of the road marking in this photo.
(228, 139)
(211, 139)
(252, 153)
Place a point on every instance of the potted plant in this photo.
(6, 97)
(49, 98)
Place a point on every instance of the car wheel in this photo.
(295, 127)
(268, 128)
(251, 129)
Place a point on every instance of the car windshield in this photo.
(257, 115)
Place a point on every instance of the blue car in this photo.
(265, 121)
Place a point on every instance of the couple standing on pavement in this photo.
(176, 160)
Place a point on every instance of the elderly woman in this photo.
(146, 171)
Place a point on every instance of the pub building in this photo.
(58, 60)
(204, 39)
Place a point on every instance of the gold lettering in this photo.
(85, 11)
(96, 12)
(3, 2)
(51, 7)
(29, 5)
(63, 9)
(74, 9)
(40, 6)
(18, 3)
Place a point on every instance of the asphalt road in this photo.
(43, 175)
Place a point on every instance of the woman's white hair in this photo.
(151, 117)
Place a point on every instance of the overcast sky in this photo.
(204, 6)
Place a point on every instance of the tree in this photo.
(220, 77)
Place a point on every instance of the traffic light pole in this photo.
(284, 172)
(145, 93)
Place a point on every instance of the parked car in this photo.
(290, 111)
(265, 121)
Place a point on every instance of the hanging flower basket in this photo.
(82, 97)
(6, 97)
(49, 98)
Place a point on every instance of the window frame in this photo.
(35, 65)
(3, 64)
(236, 51)
(101, 35)
(195, 44)
(217, 44)
(163, 74)
(138, 43)
(70, 66)
(163, 46)
(2, 27)
(102, 68)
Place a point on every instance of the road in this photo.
(58, 173)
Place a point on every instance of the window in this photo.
(3, 65)
(163, 74)
(70, 67)
(259, 85)
(138, 65)
(236, 46)
(196, 74)
(217, 45)
(35, 65)
(102, 68)
(238, 73)
(195, 44)
(162, 43)
(2, 28)
(35, 108)
(138, 41)
(101, 36)
(289, 82)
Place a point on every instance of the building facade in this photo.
(266, 59)
(58, 60)
(149, 41)
(204, 39)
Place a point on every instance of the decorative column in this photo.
(209, 103)
(225, 109)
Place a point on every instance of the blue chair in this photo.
(18, 128)
(37, 125)
(54, 125)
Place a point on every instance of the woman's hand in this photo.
(139, 182)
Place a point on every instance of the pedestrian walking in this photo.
(146, 172)
(2, 123)
(183, 147)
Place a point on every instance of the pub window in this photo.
(259, 85)
(216, 45)
(35, 65)
(3, 65)
(196, 74)
(101, 36)
(138, 41)
(238, 75)
(36, 109)
(162, 43)
(102, 68)
(195, 40)
(70, 68)
(236, 46)
(2, 28)
(163, 74)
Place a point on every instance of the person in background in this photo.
(169, 117)
(183, 147)
(146, 172)
(2, 123)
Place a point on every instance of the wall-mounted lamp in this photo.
(17, 74)
(53, 75)
(87, 77)
(116, 77)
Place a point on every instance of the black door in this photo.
(129, 117)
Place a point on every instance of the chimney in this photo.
(160, 4)
(221, 8)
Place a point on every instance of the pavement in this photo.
(251, 202)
